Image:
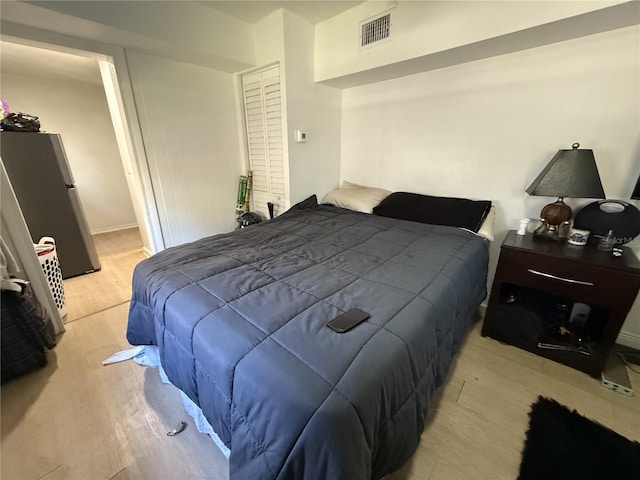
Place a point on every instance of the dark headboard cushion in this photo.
(455, 212)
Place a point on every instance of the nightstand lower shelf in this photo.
(537, 321)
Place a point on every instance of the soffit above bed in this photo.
(250, 12)
(431, 35)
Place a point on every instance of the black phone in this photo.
(348, 320)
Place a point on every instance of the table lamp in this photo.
(570, 173)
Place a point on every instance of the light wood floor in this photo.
(119, 252)
(77, 419)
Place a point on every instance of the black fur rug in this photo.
(562, 444)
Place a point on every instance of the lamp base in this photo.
(547, 231)
(549, 235)
(552, 218)
(556, 213)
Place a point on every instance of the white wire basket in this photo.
(48, 257)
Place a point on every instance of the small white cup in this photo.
(524, 225)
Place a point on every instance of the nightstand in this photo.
(561, 301)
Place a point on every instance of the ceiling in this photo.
(18, 59)
(252, 11)
(30, 61)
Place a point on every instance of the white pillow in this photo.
(356, 197)
(486, 229)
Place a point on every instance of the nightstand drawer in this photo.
(564, 278)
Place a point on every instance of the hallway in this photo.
(119, 252)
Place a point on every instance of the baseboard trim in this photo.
(114, 229)
(629, 339)
(146, 252)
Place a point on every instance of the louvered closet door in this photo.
(263, 118)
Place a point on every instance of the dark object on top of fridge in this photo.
(20, 122)
(37, 167)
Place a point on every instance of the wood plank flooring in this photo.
(77, 419)
(119, 252)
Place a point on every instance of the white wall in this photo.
(78, 111)
(485, 129)
(268, 39)
(188, 116)
(314, 166)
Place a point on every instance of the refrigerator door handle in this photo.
(61, 157)
(84, 228)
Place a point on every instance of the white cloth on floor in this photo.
(150, 357)
(124, 355)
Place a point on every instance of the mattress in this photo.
(240, 322)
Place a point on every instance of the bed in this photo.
(240, 323)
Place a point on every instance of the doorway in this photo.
(66, 92)
(76, 95)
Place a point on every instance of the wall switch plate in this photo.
(301, 136)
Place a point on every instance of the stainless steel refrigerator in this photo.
(39, 173)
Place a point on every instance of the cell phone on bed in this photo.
(348, 320)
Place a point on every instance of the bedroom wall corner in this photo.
(314, 166)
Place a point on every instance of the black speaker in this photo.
(604, 215)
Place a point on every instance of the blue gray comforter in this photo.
(240, 321)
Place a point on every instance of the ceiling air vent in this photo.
(376, 30)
